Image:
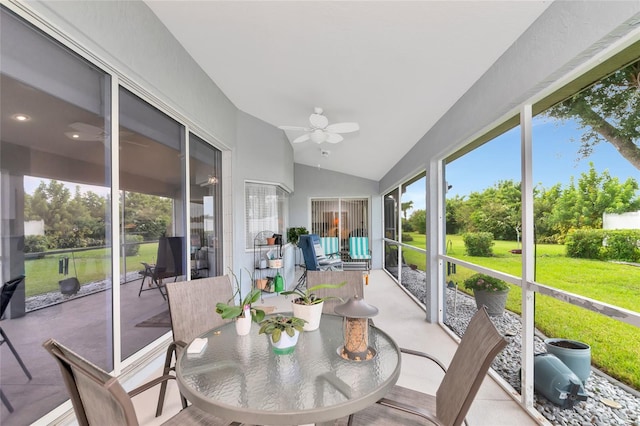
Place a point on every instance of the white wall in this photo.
(312, 182)
(33, 227)
(629, 220)
(263, 154)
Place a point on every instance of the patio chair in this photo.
(330, 246)
(315, 258)
(359, 251)
(192, 307)
(8, 289)
(99, 399)
(353, 287)
(480, 344)
(169, 264)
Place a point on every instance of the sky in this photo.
(555, 160)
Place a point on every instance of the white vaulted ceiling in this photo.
(394, 67)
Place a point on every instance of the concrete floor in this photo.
(404, 320)
(83, 324)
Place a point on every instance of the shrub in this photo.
(478, 243)
(406, 237)
(133, 244)
(584, 243)
(621, 245)
(35, 243)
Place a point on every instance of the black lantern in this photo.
(356, 313)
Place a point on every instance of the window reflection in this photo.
(153, 220)
(54, 191)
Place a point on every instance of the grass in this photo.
(91, 265)
(615, 346)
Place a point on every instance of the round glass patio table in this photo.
(239, 378)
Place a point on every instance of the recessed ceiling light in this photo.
(75, 136)
(21, 117)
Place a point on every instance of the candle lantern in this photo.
(356, 313)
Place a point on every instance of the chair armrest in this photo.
(424, 355)
(149, 385)
(410, 409)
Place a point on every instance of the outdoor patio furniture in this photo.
(314, 257)
(169, 264)
(192, 307)
(99, 399)
(480, 344)
(8, 290)
(359, 251)
(331, 246)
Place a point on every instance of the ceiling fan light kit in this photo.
(321, 131)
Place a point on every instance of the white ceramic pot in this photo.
(243, 324)
(310, 313)
(286, 344)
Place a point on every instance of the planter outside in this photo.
(286, 344)
(493, 300)
(243, 324)
(310, 313)
(575, 355)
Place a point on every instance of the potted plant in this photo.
(308, 306)
(243, 313)
(283, 332)
(488, 291)
(293, 235)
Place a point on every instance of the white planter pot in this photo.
(243, 325)
(286, 344)
(310, 313)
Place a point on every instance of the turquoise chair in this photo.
(330, 246)
(359, 250)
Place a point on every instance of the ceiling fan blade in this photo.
(305, 129)
(343, 127)
(302, 138)
(334, 138)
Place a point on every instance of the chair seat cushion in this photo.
(379, 415)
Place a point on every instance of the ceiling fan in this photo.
(320, 130)
(90, 133)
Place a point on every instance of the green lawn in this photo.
(91, 265)
(615, 346)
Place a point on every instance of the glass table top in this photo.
(240, 378)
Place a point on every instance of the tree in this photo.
(544, 201)
(406, 206)
(495, 210)
(147, 215)
(582, 205)
(609, 111)
(418, 221)
(454, 221)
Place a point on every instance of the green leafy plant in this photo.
(278, 324)
(485, 282)
(229, 310)
(307, 297)
(293, 234)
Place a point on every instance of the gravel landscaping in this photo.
(602, 391)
